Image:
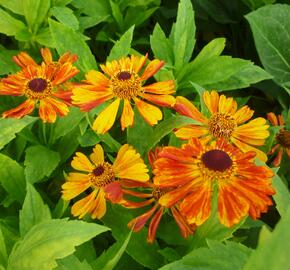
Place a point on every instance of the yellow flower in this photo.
(225, 121)
(102, 178)
(122, 81)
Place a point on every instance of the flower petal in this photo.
(227, 105)
(100, 207)
(127, 118)
(23, 60)
(97, 78)
(187, 132)
(161, 88)
(243, 114)
(151, 69)
(211, 100)
(106, 118)
(150, 113)
(114, 192)
(154, 225)
(98, 155)
(23, 109)
(81, 163)
(161, 100)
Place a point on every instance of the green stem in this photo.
(44, 133)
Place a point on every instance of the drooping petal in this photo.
(114, 192)
(127, 118)
(129, 165)
(85, 205)
(106, 118)
(23, 109)
(150, 113)
(154, 225)
(81, 163)
(98, 155)
(185, 229)
(160, 88)
(99, 209)
(151, 69)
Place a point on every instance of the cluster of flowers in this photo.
(218, 154)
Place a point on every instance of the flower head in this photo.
(152, 194)
(243, 187)
(282, 138)
(122, 81)
(102, 178)
(41, 84)
(225, 121)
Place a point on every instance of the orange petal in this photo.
(185, 133)
(20, 111)
(81, 163)
(243, 114)
(114, 192)
(23, 60)
(127, 118)
(154, 225)
(64, 73)
(273, 119)
(46, 55)
(97, 78)
(100, 208)
(129, 165)
(211, 100)
(98, 155)
(184, 107)
(85, 205)
(106, 118)
(185, 229)
(151, 69)
(161, 100)
(161, 88)
(150, 113)
(138, 62)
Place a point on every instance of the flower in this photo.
(282, 138)
(102, 178)
(193, 170)
(40, 84)
(152, 195)
(225, 121)
(122, 81)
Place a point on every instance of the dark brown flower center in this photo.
(283, 138)
(124, 75)
(216, 160)
(157, 192)
(37, 85)
(98, 171)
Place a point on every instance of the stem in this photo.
(44, 133)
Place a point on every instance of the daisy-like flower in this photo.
(122, 81)
(102, 179)
(41, 85)
(243, 187)
(225, 121)
(152, 195)
(282, 138)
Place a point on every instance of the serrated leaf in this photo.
(12, 178)
(271, 30)
(10, 126)
(39, 162)
(273, 248)
(35, 11)
(72, 263)
(33, 212)
(184, 34)
(9, 25)
(66, 16)
(219, 256)
(67, 39)
(14, 5)
(166, 126)
(122, 46)
(49, 241)
(161, 46)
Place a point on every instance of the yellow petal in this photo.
(81, 163)
(211, 100)
(98, 155)
(127, 118)
(106, 118)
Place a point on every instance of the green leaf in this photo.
(72, 263)
(89, 138)
(93, 8)
(67, 39)
(255, 4)
(14, 5)
(117, 218)
(166, 126)
(219, 256)
(49, 241)
(6, 64)
(39, 162)
(3, 251)
(271, 29)
(44, 38)
(161, 46)
(109, 259)
(64, 125)
(66, 16)
(122, 46)
(33, 212)
(184, 34)
(273, 248)
(35, 11)
(117, 15)
(282, 196)
(12, 178)
(10, 126)
(9, 25)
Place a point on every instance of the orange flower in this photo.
(243, 187)
(123, 82)
(225, 121)
(152, 195)
(104, 179)
(282, 138)
(40, 84)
